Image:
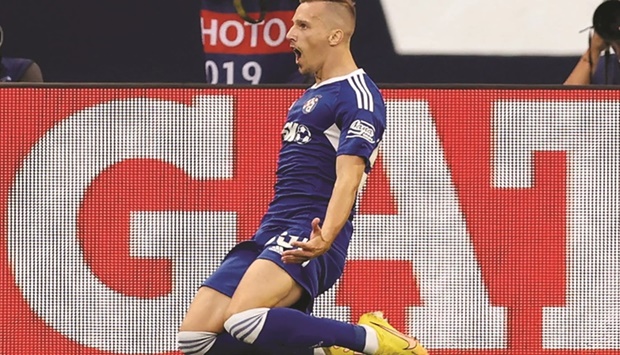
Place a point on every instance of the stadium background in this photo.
(447, 41)
(489, 226)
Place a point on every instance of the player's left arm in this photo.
(349, 172)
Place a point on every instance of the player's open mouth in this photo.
(297, 54)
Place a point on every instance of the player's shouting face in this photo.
(320, 31)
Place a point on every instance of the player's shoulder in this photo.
(355, 87)
(359, 82)
(359, 92)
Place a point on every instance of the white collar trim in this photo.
(338, 78)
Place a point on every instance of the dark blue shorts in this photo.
(315, 276)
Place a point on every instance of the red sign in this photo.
(489, 225)
(224, 33)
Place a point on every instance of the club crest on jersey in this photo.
(296, 132)
(362, 129)
(310, 104)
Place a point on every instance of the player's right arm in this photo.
(349, 173)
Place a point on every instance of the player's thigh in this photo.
(265, 284)
(207, 312)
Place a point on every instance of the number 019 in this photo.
(251, 71)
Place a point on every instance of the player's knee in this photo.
(246, 325)
(233, 309)
(195, 343)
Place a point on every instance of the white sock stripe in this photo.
(247, 325)
(188, 344)
(197, 350)
(241, 329)
(255, 331)
(195, 343)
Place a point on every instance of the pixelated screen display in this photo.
(489, 224)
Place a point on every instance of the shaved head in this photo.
(338, 14)
(321, 37)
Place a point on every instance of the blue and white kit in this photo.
(339, 116)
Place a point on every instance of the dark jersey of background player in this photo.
(19, 70)
(240, 52)
(607, 71)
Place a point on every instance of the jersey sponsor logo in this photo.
(310, 104)
(362, 129)
(296, 132)
(227, 33)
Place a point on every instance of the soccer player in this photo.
(261, 296)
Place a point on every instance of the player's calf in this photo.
(292, 329)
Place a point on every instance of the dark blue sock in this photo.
(294, 329)
(225, 344)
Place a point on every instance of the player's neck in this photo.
(335, 66)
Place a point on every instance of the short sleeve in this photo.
(361, 128)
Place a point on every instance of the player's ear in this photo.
(336, 36)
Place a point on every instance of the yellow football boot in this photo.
(391, 341)
(338, 350)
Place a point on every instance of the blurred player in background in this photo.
(260, 299)
(598, 65)
(18, 69)
(245, 42)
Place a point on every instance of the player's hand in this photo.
(598, 44)
(311, 249)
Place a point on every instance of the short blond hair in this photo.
(348, 4)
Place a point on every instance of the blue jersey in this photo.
(14, 68)
(611, 68)
(340, 116)
(238, 52)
